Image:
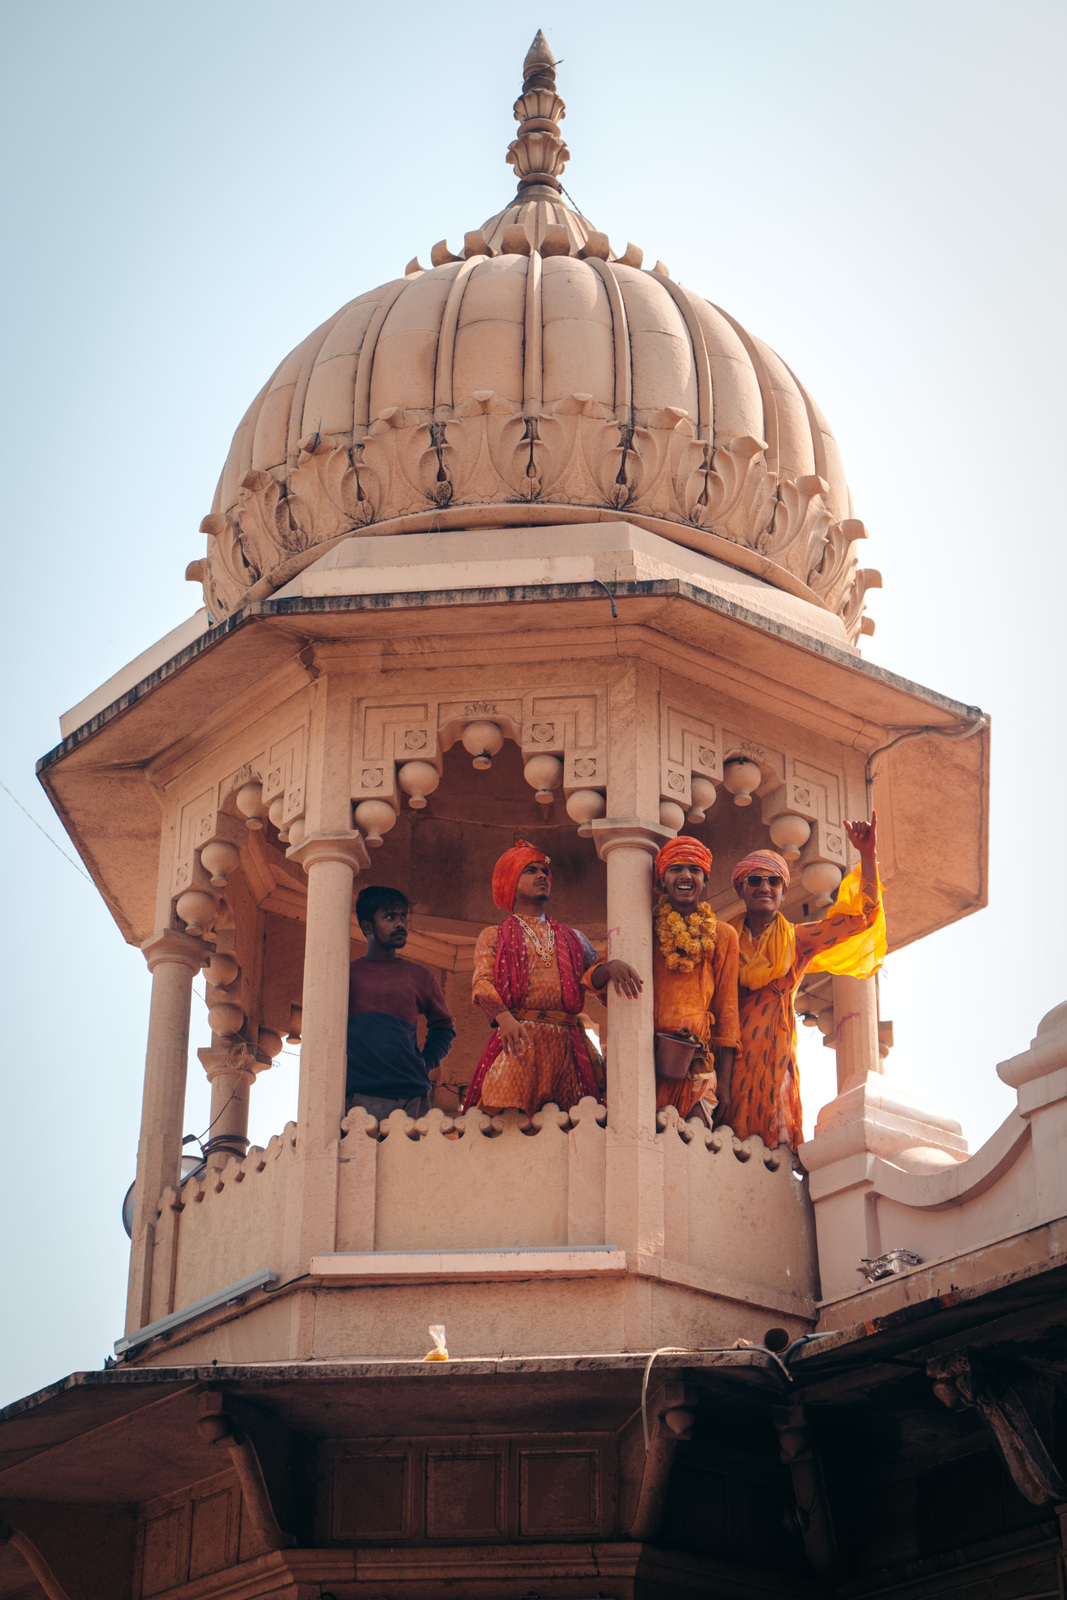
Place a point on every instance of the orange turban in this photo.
(510, 868)
(683, 852)
(760, 861)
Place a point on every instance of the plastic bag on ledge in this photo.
(437, 1334)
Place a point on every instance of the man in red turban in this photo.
(764, 1095)
(694, 975)
(530, 977)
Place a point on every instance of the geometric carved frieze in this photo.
(692, 747)
(815, 795)
(689, 747)
(285, 774)
(213, 812)
(572, 727)
(388, 734)
(196, 825)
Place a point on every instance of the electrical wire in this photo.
(981, 721)
(702, 1350)
(79, 870)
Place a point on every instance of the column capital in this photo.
(217, 1060)
(342, 845)
(170, 945)
(630, 833)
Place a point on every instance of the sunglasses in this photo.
(773, 880)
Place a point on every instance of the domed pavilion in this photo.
(528, 542)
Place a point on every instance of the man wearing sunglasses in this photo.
(764, 1093)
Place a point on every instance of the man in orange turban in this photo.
(530, 977)
(775, 954)
(694, 975)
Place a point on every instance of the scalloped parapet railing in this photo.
(737, 1220)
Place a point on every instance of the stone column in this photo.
(634, 1198)
(855, 1029)
(173, 960)
(331, 861)
(231, 1074)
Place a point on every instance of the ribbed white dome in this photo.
(539, 374)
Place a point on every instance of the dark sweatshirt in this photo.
(384, 1002)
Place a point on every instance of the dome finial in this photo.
(538, 154)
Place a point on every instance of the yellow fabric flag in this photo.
(861, 955)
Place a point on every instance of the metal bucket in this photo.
(674, 1056)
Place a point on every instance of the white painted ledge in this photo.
(457, 1266)
(607, 552)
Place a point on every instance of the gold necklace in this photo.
(544, 943)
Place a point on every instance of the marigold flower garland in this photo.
(682, 939)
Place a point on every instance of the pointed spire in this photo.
(539, 61)
(537, 153)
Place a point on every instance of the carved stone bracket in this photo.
(812, 1502)
(961, 1386)
(218, 1428)
(673, 1411)
(35, 1561)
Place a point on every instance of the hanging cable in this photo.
(705, 1350)
(79, 870)
(981, 721)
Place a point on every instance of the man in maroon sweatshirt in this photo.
(386, 1068)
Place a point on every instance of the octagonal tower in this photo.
(540, 506)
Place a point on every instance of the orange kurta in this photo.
(702, 1002)
(765, 1089)
(548, 1071)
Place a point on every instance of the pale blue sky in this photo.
(873, 189)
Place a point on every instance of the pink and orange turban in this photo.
(683, 852)
(760, 861)
(510, 868)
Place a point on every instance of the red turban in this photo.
(683, 852)
(760, 861)
(509, 870)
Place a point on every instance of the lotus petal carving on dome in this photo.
(834, 571)
(267, 530)
(579, 454)
(851, 612)
(225, 574)
(490, 452)
(400, 466)
(663, 457)
(733, 495)
(801, 521)
(324, 494)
